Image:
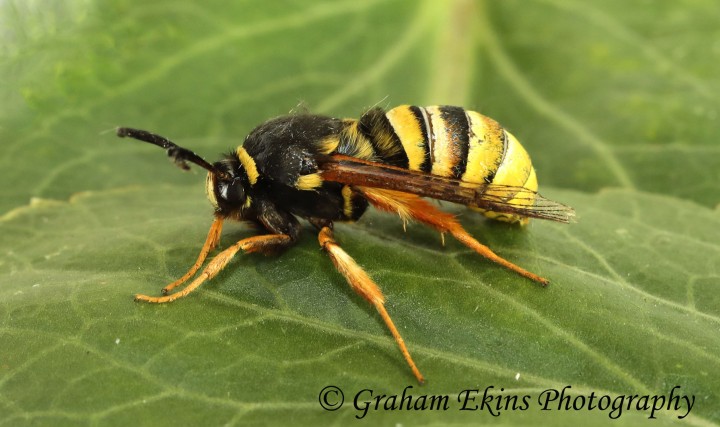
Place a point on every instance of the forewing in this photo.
(491, 197)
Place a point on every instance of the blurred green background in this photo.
(615, 101)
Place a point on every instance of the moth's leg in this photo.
(410, 206)
(363, 285)
(262, 243)
(213, 238)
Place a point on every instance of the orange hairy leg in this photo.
(263, 243)
(410, 206)
(364, 285)
(211, 242)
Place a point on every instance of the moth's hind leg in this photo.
(410, 206)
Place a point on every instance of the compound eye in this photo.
(235, 192)
(232, 192)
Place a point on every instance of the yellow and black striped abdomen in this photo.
(446, 141)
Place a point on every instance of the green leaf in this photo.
(627, 312)
(614, 101)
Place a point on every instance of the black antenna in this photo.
(179, 154)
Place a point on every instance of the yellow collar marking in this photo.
(248, 164)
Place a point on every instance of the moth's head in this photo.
(227, 180)
(227, 188)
